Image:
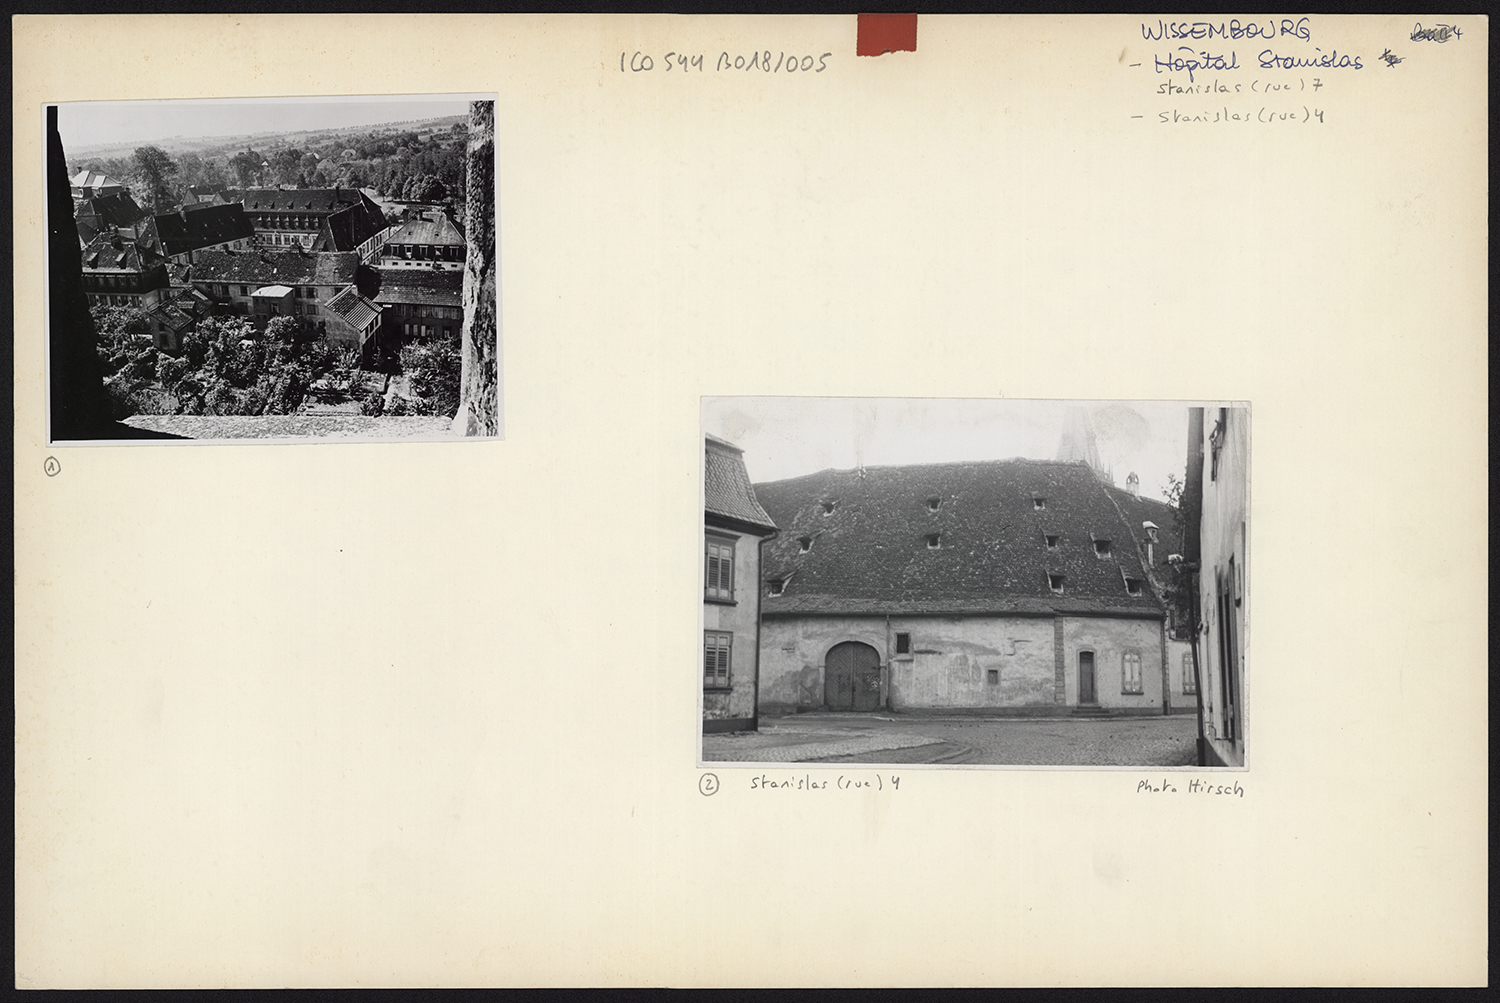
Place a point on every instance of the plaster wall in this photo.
(736, 617)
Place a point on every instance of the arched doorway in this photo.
(851, 677)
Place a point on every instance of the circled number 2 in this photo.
(708, 785)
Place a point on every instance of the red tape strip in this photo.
(882, 33)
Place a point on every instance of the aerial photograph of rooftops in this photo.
(970, 583)
(273, 269)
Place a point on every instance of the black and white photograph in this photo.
(273, 270)
(1025, 583)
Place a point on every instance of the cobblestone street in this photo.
(878, 739)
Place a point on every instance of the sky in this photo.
(93, 123)
(789, 436)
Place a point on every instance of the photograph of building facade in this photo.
(1006, 585)
(734, 527)
(975, 587)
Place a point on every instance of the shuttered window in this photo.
(718, 575)
(1130, 672)
(1189, 684)
(716, 647)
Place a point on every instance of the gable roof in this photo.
(93, 179)
(294, 267)
(354, 308)
(871, 553)
(345, 229)
(727, 494)
(198, 226)
(426, 231)
(308, 200)
(107, 252)
(425, 286)
(105, 211)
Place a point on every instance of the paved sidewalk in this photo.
(876, 738)
(777, 744)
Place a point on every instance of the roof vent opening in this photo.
(1133, 586)
(827, 505)
(804, 544)
(1055, 583)
(1051, 541)
(1101, 548)
(934, 541)
(934, 503)
(775, 586)
(1038, 502)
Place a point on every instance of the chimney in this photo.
(1133, 485)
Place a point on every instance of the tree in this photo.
(155, 171)
(285, 165)
(246, 167)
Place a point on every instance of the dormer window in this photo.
(1133, 586)
(804, 544)
(1052, 540)
(1038, 502)
(934, 503)
(1150, 528)
(775, 586)
(1055, 583)
(827, 505)
(934, 541)
(1101, 548)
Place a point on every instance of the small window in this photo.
(804, 544)
(827, 506)
(934, 541)
(1051, 542)
(1133, 586)
(903, 644)
(1130, 672)
(716, 648)
(1101, 548)
(1055, 583)
(775, 586)
(934, 503)
(993, 677)
(244, 290)
(1038, 502)
(718, 577)
(1189, 684)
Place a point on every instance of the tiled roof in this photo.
(199, 226)
(313, 200)
(105, 211)
(347, 228)
(426, 286)
(873, 552)
(726, 486)
(92, 179)
(107, 252)
(426, 231)
(1141, 510)
(294, 267)
(354, 308)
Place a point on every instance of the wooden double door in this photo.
(851, 677)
